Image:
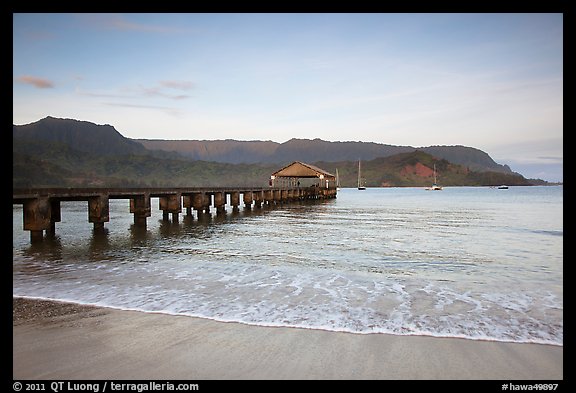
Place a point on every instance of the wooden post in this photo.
(141, 207)
(268, 196)
(235, 200)
(187, 203)
(258, 197)
(207, 202)
(277, 196)
(220, 202)
(98, 211)
(198, 202)
(171, 203)
(55, 216)
(248, 200)
(37, 214)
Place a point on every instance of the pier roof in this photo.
(303, 170)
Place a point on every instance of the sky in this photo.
(489, 81)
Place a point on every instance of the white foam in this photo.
(320, 301)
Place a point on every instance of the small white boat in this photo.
(503, 187)
(435, 186)
(361, 180)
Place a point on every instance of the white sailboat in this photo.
(337, 181)
(435, 186)
(361, 181)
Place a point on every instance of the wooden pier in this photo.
(41, 206)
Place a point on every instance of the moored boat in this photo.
(435, 186)
(361, 180)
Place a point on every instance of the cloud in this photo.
(557, 159)
(160, 89)
(128, 105)
(157, 92)
(178, 85)
(168, 110)
(164, 89)
(100, 95)
(119, 22)
(36, 82)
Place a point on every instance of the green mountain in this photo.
(79, 135)
(312, 150)
(63, 167)
(67, 153)
(415, 169)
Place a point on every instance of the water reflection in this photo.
(50, 248)
(139, 234)
(99, 243)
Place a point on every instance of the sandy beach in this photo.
(53, 340)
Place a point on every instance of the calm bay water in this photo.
(470, 262)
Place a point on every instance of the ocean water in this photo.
(468, 262)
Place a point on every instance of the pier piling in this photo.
(37, 217)
(248, 199)
(220, 202)
(235, 200)
(98, 211)
(171, 203)
(141, 207)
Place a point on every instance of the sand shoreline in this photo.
(54, 340)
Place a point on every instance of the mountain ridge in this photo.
(68, 152)
(106, 140)
(78, 134)
(310, 150)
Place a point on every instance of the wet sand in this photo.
(53, 340)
